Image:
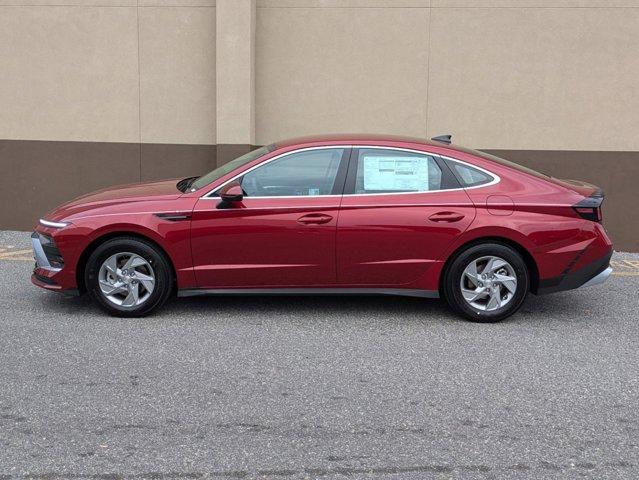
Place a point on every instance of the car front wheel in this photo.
(486, 282)
(128, 277)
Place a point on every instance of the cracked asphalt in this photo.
(323, 387)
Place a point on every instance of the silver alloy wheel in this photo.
(488, 283)
(126, 279)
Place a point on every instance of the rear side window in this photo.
(395, 171)
(469, 176)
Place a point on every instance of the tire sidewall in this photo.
(156, 259)
(454, 273)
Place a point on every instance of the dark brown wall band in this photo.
(39, 175)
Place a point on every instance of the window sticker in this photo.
(395, 173)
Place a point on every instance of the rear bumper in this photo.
(599, 279)
(593, 273)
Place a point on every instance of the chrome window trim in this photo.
(495, 178)
(276, 196)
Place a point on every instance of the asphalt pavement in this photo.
(326, 387)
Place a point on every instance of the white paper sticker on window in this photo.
(395, 173)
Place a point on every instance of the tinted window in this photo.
(470, 177)
(393, 171)
(306, 173)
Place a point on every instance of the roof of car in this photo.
(357, 138)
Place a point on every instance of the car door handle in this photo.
(314, 219)
(448, 217)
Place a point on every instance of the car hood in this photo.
(135, 192)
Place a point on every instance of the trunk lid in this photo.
(582, 188)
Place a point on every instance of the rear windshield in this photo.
(503, 161)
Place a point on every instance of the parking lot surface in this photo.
(329, 387)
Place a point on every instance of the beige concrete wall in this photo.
(498, 74)
(235, 60)
(501, 74)
(177, 74)
(69, 73)
(328, 68)
(533, 3)
(108, 71)
(343, 3)
(536, 78)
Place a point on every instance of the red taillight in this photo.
(590, 207)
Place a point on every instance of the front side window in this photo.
(395, 171)
(305, 173)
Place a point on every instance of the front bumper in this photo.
(594, 273)
(42, 261)
(47, 267)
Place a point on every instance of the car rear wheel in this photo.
(128, 277)
(487, 282)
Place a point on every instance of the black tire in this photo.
(148, 251)
(452, 278)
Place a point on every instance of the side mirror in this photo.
(232, 193)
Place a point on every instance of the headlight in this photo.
(48, 223)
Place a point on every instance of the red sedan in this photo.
(332, 215)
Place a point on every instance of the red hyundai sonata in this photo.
(332, 215)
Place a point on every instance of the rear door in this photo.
(282, 234)
(401, 209)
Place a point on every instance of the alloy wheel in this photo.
(126, 279)
(488, 283)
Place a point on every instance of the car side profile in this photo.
(350, 214)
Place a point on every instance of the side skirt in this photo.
(309, 292)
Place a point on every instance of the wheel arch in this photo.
(529, 260)
(100, 239)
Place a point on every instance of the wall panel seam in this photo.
(538, 7)
(137, 13)
(70, 5)
(430, 23)
(307, 7)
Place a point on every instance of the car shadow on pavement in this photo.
(265, 305)
(567, 306)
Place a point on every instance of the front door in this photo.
(282, 234)
(400, 211)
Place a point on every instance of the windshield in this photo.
(230, 166)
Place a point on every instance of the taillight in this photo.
(590, 207)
